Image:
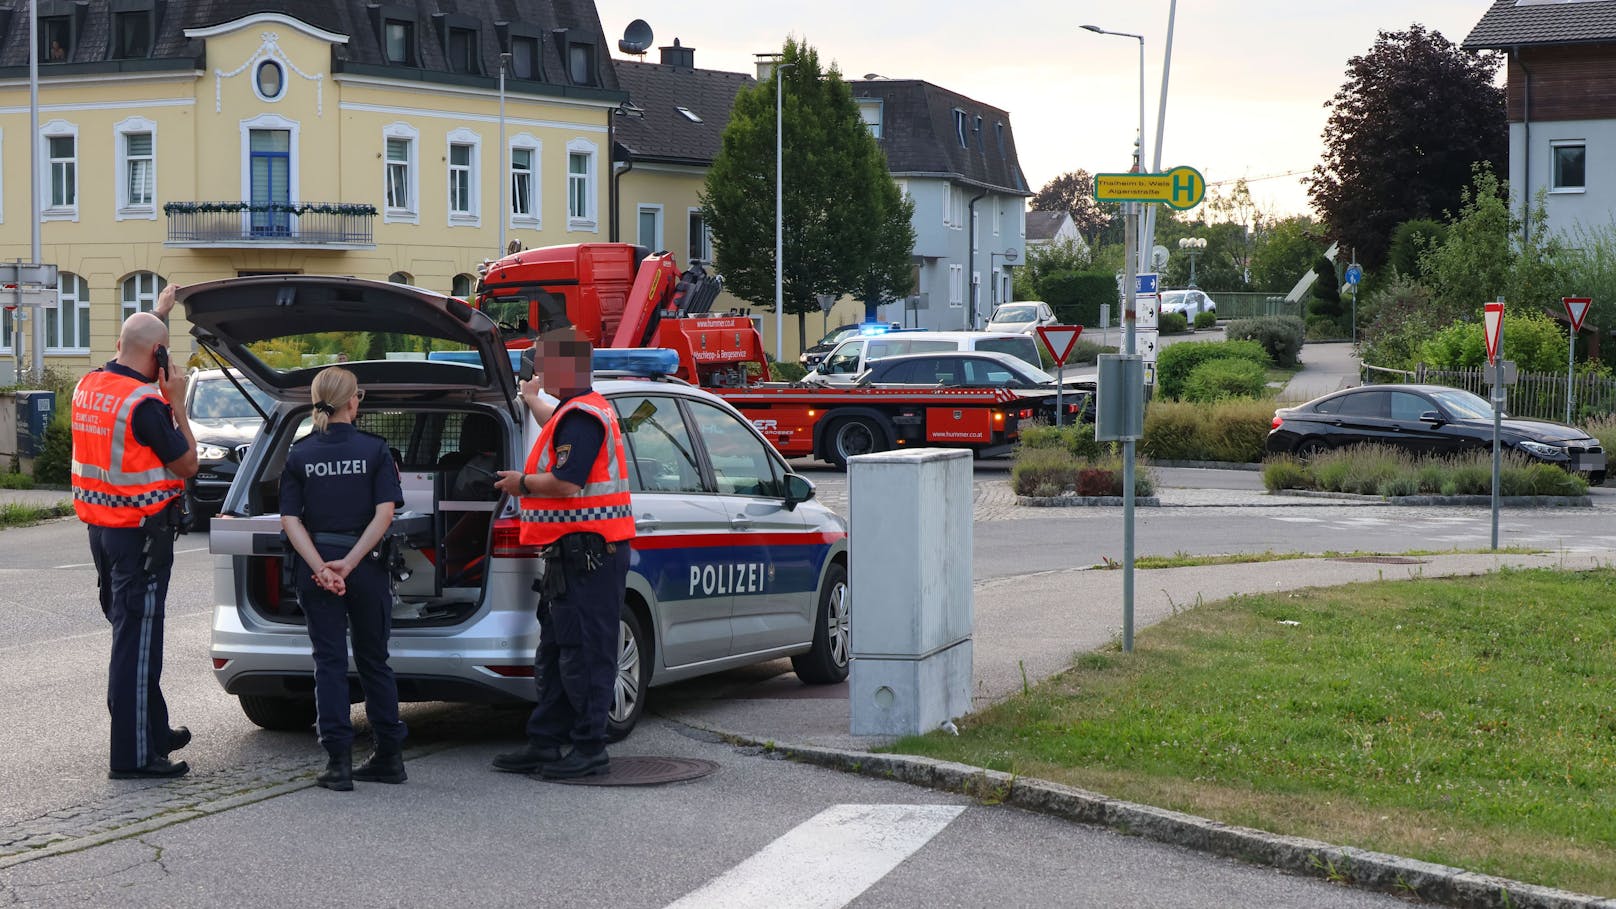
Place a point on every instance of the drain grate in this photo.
(646, 771)
(1383, 560)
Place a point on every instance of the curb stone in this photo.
(1355, 867)
(1077, 501)
(1205, 465)
(1467, 501)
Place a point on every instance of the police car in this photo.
(734, 562)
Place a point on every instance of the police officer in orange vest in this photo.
(132, 453)
(574, 499)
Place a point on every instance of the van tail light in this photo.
(220, 662)
(507, 541)
(520, 671)
(1278, 421)
(998, 416)
(1025, 414)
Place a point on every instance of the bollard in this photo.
(909, 579)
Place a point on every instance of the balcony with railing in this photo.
(271, 225)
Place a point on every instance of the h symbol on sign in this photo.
(1183, 186)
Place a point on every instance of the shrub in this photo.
(1603, 429)
(1044, 472)
(1206, 320)
(1076, 296)
(1039, 435)
(1172, 323)
(1144, 481)
(1174, 364)
(1172, 431)
(1280, 336)
(1216, 380)
(1324, 328)
(1232, 430)
(1400, 485)
(1285, 472)
(786, 372)
(1087, 352)
(16, 481)
(1430, 478)
(56, 452)
(1378, 470)
(1095, 481)
(1079, 440)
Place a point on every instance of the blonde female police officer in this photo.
(338, 493)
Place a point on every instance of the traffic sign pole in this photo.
(1129, 316)
(1493, 317)
(1576, 310)
(1059, 341)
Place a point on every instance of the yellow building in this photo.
(187, 141)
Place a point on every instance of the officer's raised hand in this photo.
(172, 381)
(534, 397)
(165, 301)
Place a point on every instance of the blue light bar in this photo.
(649, 362)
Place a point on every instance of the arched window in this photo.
(463, 284)
(140, 292)
(400, 277)
(67, 322)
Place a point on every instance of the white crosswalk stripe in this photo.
(826, 861)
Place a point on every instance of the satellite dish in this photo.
(636, 38)
(1158, 256)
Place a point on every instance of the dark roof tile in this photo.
(919, 135)
(665, 134)
(1510, 23)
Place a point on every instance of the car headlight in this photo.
(1546, 452)
(206, 452)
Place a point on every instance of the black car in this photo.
(224, 422)
(825, 345)
(1427, 419)
(980, 369)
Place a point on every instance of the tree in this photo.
(1284, 252)
(1414, 115)
(847, 227)
(1073, 193)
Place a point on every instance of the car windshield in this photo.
(1464, 405)
(317, 349)
(837, 335)
(216, 399)
(1016, 314)
(1031, 373)
(1173, 296)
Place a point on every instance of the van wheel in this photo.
(278, 714)
(851, 436)
(633, 677)
(826, 661)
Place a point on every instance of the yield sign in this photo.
(1493, 318)
(1059, 340)
(1576, 310)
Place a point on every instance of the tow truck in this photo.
(621, 295)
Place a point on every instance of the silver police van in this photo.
(734, 562)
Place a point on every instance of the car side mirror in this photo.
(798, 489)
(1433, 417)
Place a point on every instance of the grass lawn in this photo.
(1184, 559)
(1470, 721)
(23, 515)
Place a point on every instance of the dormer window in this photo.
(999, 129)
(399, 37)
(131, 34)
(525, 57)
(870, 112)
(462, 50)
(959, 128)
(689, 114)
(55, 39)
(581, 63)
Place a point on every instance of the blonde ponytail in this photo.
(331, 389)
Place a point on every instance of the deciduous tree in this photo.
(1073, 193)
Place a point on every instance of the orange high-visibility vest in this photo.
(602, 505)
(116, 480)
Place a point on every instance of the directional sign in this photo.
(1493, 317)
(1145, 283)
(1147, 311)
(1146, 344)
(1179, 188)
(1354, 274)
(1059, 340)
(1577, 310)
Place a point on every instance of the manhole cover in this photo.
(1383, 560)
(646, 771)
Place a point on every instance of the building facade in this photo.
(188, 141)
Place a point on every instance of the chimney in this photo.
(678, 56)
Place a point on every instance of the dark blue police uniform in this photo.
(333, 482)
(574, 625)
(133, 598)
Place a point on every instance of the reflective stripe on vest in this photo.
(602, 505)
(116, 480)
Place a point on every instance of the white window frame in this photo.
(56, 129)
(473, 217)
(588, 221)
(877, 105)
(660, 233)
(267, 121)
(53, 345)
(126, 210)
(960, 121)
(411, 213)
(998, 216)
(534, 219)
(1554, 146)
(143, 301)
(706, 236)
(2, 201)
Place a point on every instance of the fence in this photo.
(1241, 305)
(1537, 395)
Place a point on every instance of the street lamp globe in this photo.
(1192, 247)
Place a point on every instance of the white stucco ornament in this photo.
(270, 49)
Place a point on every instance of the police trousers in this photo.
(368, 608)
(575, 670)
(133, 598)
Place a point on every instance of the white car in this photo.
(1188, 303)
(733, 562)
(1022, 317)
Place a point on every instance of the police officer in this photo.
(132, 452)
(574, 498)
(338, 492)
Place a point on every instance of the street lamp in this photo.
(779, 214)
(1193, 247)
(1139, 157)
(1009, 256)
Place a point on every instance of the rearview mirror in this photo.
(798, 489)
(1433, 417)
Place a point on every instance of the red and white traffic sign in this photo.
(1059, 340)
(1577, 310)
(1493, 317)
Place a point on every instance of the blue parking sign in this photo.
(1145, 283)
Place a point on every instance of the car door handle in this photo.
(646, 524)
(740, 522)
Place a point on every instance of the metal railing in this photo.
(1242, 305)
(271, 223)
(1535, 395)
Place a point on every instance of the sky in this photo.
(1246, 93)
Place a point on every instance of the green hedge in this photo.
(1232, 431)
(1175, 363)
(56, 452)
(1172, 323)
(1216, 380)
(1280, 336)
(1382, 471)
(1076, 296)
(1206, 320)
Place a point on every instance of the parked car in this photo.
(1188, 303)
(956, 369)
(1021, 317)
(225, 416)
(825, 345)
(851, 357)
(1427, 419)
(734, 562)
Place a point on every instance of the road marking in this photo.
(826, 861)
(92, 564)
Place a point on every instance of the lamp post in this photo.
(1009, 256)
(1193, 247)
(1139, 154)
(504, 171)
(779, 214)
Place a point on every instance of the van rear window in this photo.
(1024, 348)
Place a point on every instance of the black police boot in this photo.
(177, 738)
(338, 772)
(535, 755)
(159, 769)
(576, 764)
(385, 765)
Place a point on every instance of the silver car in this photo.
(734, 563)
